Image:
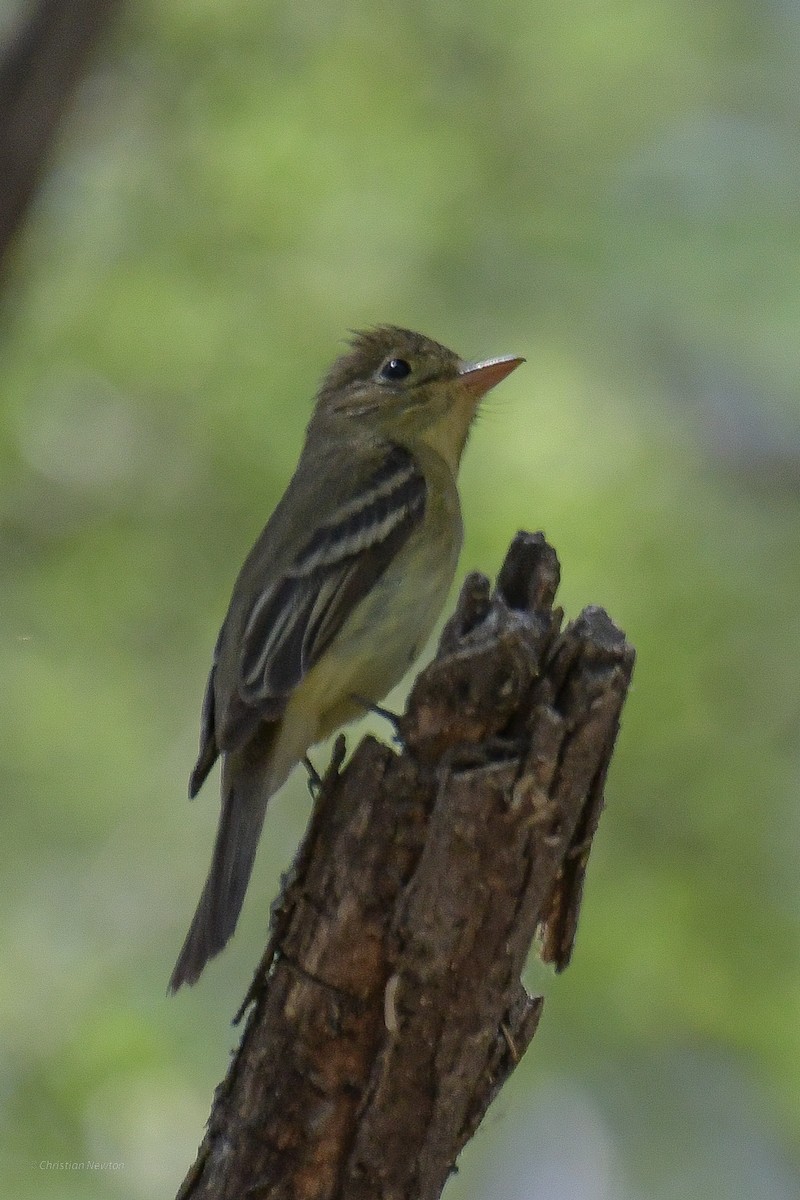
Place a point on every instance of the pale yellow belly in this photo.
(372, 651)
(379, 642)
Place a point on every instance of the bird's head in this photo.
(405, 386)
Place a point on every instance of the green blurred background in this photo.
(610, 189)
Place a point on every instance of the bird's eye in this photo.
(395, 368)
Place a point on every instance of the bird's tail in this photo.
(246, 788)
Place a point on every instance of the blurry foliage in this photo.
(607, 188)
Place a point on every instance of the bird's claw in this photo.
(379, 711)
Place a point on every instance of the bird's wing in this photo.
(296, 615)
(209, 749)
(295, 618)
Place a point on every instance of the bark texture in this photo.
(388, 1009)
(41, 63)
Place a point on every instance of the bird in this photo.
(340, 592)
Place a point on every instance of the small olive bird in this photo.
(340, 592)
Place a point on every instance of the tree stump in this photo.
(388, 1009)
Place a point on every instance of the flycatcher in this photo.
(340, 592)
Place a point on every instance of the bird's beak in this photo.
(480, 377)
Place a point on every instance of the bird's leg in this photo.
(314, 777)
